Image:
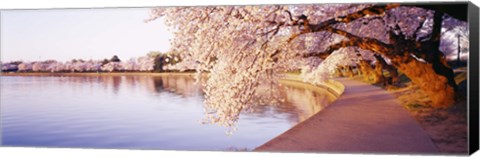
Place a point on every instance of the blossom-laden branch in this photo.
(369, 11)
(242, 46)
(371, 44)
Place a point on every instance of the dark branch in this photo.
(370, 11)
(374, 10)
(370, 44)
(330, 49)
(355, 38)
(437, 27)
(368, 20)
(289, 15)
(419, 27)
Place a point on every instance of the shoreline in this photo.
(95, 74)
(365, 119)
(332, 86)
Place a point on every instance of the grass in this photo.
(415, 106)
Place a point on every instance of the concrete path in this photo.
(365, 119)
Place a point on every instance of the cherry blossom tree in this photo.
(25, 67)
(146, 63)
(93, 66)
(246, 47)
(10, 66)
(131, 65)
(39, 67)
(56, 67)
(112, 66)
(143, 63)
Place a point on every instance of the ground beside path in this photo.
(364, 119)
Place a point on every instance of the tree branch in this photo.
(371, 44)
(365, 43)
(289, 15)
(436, 30)
(374, 10)
(330, 49)
(367, 21)
(419, 27)
(380, 46)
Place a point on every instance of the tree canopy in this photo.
(247, 48)
(115, 59)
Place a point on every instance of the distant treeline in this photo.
(152, 62)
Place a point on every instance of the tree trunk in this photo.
(352, 73)
(338, 72)
(433, 75)
(393, 79)
(359, 69)
(349, 71)
(355, 70)
(343, 69)
(369, 74)
(364, 69)
(430, 72)
(378, 73)
(436, 86)
(393, 75)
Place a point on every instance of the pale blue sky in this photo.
(65, 34)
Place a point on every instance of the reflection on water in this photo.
(306, 102)
(140, 112)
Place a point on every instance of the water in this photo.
(134, 112)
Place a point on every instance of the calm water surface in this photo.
(135, 112)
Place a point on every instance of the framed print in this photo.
(334, 78)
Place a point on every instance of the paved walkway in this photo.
(365, 119)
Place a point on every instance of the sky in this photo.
(66, 34)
